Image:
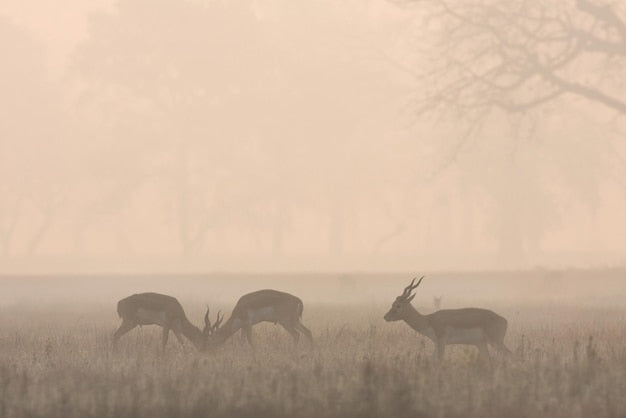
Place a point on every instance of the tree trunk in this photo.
(511, 252)
(44, 227)
(278, 228)
(337, 226)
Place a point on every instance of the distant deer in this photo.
(262, 306)
(437, 302)
(469, 326)
(164, 311)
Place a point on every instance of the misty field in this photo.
(56, 360)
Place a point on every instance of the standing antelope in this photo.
(437, 302)
(262, 306)
(162, 310)
(470, 326)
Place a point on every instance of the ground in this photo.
(56, 360)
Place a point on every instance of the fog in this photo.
(272, 136)
(318, 208)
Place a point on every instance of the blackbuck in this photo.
(164, 311)
(262, 306)
(437, 302)
(469, 326)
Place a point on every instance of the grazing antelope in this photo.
(262, 306)
(469, 326)
(162, 310)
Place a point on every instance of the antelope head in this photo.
(401, 308)
(209, 329)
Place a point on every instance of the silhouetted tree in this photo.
(525, 62)
(520, 55)
(179, 71)
(244, 122)
(33, 165)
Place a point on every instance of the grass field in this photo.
(55, 356)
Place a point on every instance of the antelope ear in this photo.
(411, 297)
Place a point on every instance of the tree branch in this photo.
(586, 92)
(604, 14)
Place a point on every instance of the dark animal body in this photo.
(265, 305)
(470, 326)
(157, 309)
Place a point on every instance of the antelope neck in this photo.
(192, 332)
(416, 320)
(228, 329)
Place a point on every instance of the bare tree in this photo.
(519, 55)
(486, 62)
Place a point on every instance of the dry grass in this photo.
(570, 362)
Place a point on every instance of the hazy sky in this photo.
(277, 135)
(58, 27)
